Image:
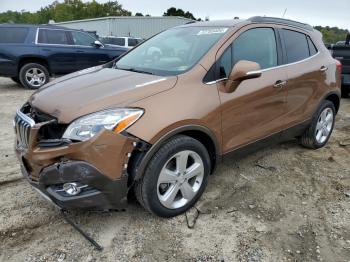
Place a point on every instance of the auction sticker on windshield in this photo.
(213, 31)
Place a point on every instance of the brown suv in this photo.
(157, 121)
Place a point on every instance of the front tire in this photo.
(175, 177)
(33, 75)
(321, 127)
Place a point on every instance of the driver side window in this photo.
(256, 45)
(83, 39)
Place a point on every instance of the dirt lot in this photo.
(282, 203)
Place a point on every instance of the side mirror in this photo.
(97, 44)
(242, 70)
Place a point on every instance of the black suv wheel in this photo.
(33, 75)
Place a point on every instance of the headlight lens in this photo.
(88, 126)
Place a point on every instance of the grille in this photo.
(22, 124)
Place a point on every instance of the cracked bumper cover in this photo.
(100, 163)
(104, 194)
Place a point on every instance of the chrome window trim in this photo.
(216, 81)
(289, 64)
(40, 28)
(267, 69)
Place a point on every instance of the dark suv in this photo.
(30, 54)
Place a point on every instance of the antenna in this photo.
(284, 13)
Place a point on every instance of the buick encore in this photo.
(158, 125)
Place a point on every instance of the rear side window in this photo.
(13, 35)
(132, 42)
(312, 47)
(297, 47)
(117, 41)
(55, 37)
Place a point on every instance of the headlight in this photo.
(112, 119)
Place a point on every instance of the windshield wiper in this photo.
(136, 70)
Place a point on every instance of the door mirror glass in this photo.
(242, 70)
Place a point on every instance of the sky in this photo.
(314, 12)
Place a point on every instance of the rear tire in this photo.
(321, 127)
(175, 177)
(33, 75)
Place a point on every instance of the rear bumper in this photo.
(101, 192)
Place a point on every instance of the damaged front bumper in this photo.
(98, 166)
(98, 191)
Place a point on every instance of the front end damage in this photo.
(90, 174)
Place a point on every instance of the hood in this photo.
(95, 89)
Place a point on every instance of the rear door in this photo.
(256, 109)
(54, 46)
(12, 45)
(86, 53)
(306, 73)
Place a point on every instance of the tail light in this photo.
(339, 65)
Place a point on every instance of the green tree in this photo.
(172, 11)
(331, 35)
(138, 14)
(65, 11)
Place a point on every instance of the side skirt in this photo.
(276, 138)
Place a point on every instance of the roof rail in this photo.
(264, 19)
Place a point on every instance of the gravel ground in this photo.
(284, 203)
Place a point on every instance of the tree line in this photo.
(77, 9)
(331, 35)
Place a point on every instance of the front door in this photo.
(256, 109)
(86, 53)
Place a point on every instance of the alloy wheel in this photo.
(180, 179)
(35, 77)
(324, 125)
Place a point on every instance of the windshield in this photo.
(171, 52)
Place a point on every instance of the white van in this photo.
(128, 42)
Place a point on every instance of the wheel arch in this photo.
(335, 99)
(200, 133)
(32, 59)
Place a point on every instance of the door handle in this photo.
(280, 84)
(80, 51)
(324, 69)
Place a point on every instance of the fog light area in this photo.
(71, 188)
